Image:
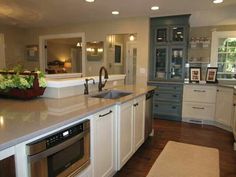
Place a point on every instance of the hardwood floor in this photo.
(142, 161)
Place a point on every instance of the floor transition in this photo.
(142, 161)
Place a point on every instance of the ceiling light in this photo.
(154, 8)
(217, 1)
(131, 37)
(115, 12)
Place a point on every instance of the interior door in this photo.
(2, 51)
(131, 62)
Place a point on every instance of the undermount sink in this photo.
(111, 94)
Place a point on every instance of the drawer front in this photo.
(169, 87)
(196, 93)
(198, 110)
(167, 108)
(160, 96)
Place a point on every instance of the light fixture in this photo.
(67, 65)
(131, 37)
(217, 1)
(155, 8)
(89, 0)
(115, 12)
(79, 44)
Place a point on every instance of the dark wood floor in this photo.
(142, 161)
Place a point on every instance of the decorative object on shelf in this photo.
(22, 85)
(203, 42)
(194, 74)
(211, 75)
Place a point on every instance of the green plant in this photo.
(9, 81)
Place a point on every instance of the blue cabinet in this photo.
(167, 102)
(168, 47)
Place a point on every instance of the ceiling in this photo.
(42, 13)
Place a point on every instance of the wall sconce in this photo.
(79, 44)
(131, 37)
(111, 40)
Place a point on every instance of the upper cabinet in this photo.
(168, 37)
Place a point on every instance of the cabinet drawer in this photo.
(198, 110)
(197, 93)
(167, 108)
(169, 87)
(167, 96)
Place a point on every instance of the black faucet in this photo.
(86, 91)
(100, 84)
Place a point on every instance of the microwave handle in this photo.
(57, 148)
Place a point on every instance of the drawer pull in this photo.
(174, 96)
(136, 104)
(173, 107)
(199, 91)
(105, 114)
(194, 107)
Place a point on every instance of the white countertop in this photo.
(23, 120)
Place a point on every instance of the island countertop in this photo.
(23, 120)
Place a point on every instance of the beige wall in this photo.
(98, 32)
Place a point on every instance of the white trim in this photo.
(122, 54)
(43, 38)
(7, 153)
(2, 52)
(215, 43)
(69, 82)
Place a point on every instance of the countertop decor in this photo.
(22, 85)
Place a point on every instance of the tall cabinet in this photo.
(168, 54)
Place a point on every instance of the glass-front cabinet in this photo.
(168, 37)
(224, 54)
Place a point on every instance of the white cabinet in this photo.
(224, 106)
(199, 103)
(130, 128)
(103, 143)
(139, 124)
(85, 173)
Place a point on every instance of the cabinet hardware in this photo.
(173, 107)
(174, 96)
(217, 90)
(234, 104)
(102, 115)
(199, 90)
(197, 107)
(136, 104)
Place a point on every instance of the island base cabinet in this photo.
(131, 117)
(7, 167)
(103, 143)
(86, 172)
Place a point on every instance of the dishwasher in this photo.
(149, 113)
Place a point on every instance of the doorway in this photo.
(131, 62)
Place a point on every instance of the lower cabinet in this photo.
(130, 122)
(103, 143)
(224, 106)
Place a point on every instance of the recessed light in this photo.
(217, 1)
(154, 8)
(89, 0)
(115, 12)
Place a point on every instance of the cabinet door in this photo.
(161, 58)
(224, 105)
(125, 133)
(139, 118)
(177, 34)
(162, 35)
(103, 125)
(176, 64)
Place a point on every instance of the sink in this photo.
(111, 94)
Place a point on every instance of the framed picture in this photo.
(194, 74)
(32, 52)
(118, 54)
(211, 75)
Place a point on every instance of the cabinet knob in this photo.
(217, 90)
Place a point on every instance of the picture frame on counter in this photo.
(211, 75)
(194, 74)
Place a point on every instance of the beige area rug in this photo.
(186, 160)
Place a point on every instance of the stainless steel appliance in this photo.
(149, 113)
(64, 153)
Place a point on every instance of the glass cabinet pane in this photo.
(161, 35)
(177, 34)
(176, 64)
(226, 58)
(160, 65)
